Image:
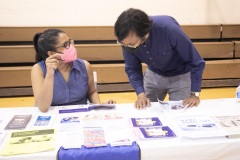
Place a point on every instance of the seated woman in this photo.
(59, 77)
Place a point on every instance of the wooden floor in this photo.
(122, 97)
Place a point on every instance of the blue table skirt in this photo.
(101, 153)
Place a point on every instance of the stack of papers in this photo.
(230, 124)
(119, 136)
(197, 126)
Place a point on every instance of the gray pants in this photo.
(156, 86)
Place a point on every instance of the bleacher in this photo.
(219, 45)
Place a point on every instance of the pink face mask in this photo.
(69, 54)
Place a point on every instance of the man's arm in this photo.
(133, 68)
(189, 53)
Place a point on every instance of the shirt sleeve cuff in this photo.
(196, 87)
(139, 90)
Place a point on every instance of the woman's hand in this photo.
(52, 63)
(109, 102)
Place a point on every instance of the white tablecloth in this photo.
(170, 149)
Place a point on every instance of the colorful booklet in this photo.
(146, 122)
(94, 137)
(29, 141)
(155, 132)
(85, 108)
(18, 122)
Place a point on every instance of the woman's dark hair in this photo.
(133, 20)
(44, 42)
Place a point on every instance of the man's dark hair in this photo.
(132, 20)
(44, 42)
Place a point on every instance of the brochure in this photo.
(92, 120)
(29, 141)
(119, 136)
(197, 126)
(69, 123)
(145, 122)
(155, 132)
(18, 122)
(230, 124)
(171, 106)
(114, 120)
(42, 121)
(94, 137)
(72, 139)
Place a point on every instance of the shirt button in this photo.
(144, 45)
(66, 90)
(147, 52)
(153, 63)
(150, 58)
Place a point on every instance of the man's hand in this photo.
(142, 102)
(191, 101)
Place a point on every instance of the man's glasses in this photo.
(67, 44)
(129, 45)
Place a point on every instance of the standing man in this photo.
(174, 66)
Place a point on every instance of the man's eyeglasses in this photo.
(67, 44)
(131, 46)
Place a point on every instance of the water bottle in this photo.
(95, 79)
(238, 93)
